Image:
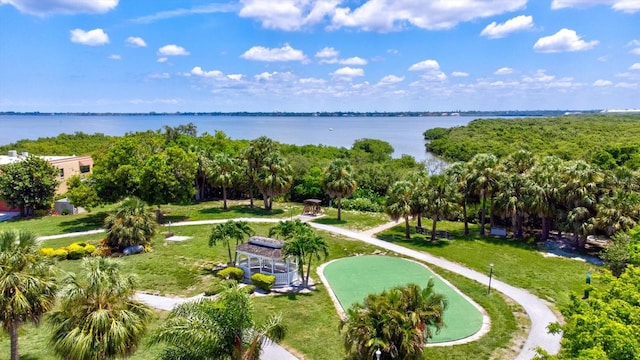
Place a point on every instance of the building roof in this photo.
(13, 156)
(263, 247)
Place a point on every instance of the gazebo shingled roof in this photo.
(262, 246)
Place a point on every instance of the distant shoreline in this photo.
(517, 113)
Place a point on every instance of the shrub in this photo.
(234, 273)
(361, 204)
(75, 251)
(61, 254)
(64, 212)
(262, 281)
(101, 251)
(48, 252)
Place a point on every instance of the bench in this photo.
(498, 232)
(442, 234)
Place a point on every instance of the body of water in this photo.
(403, 133)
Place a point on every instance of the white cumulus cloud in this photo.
(635, 66)
(565, 40)
(92, 37)
(628, 6)
(348, 72)
(115, 57)
(459, 74)
(288, 15)
(163, 59)
(389, 15)
(172, 50)
(49, 7)
(197, 71)
(327, 52)
(635, 44)
(285, 53)
(135, 41)
(518, 23)
(600, 83)
(425, 65)
(503, 71)
(390, 79)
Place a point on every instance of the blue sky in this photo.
(318, 55)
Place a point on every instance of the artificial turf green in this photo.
(353, 278)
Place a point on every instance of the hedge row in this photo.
(76, 250)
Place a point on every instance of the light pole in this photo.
(378, 353)
(490, 276)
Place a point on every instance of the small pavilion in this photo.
(264, 255)
(312, 207)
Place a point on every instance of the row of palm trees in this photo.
(526, 192)
(262, 168)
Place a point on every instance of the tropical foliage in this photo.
(606, 325)
(228, 232)
(130, 224)
(97, 317)
(224, 328)
(27, 284)
(398, 322)
(303, 243)
(29, 184)
(338, 181)
(608, 141)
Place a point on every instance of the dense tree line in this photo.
(78, 143)
(608, 141)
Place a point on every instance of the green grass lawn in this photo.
(353, 278)
(352, 220)
(515, 262)
(184, 269)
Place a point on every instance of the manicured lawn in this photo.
(184, 269)
(515, 262)
(353, 220)
(353, 278)
(62, 224)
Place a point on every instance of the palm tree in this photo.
(543, 194)
(306, 245)
(398, 203)
(459, 173)
(27, 284)
(483, 176)
(273, 178)
(338, 181)
(228, 231)
(217, 329)
(580, 189)
(287, 229)
(442, 200)
(419, 200)
(223, 172)
(398, 322)
(131, 224)
(203, 159)
(97, 317)
(254, 155)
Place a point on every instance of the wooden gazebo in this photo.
(312, 207)
(264, 255)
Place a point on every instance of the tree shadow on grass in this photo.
(91, 221)
(396, 235)
(416, 240)
(242, 209)
(28, 357)
(329, 221)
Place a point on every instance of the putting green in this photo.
(353, 278)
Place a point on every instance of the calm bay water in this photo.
(403, 133)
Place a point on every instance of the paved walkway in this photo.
(539, 313)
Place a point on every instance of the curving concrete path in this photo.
(539, 313)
